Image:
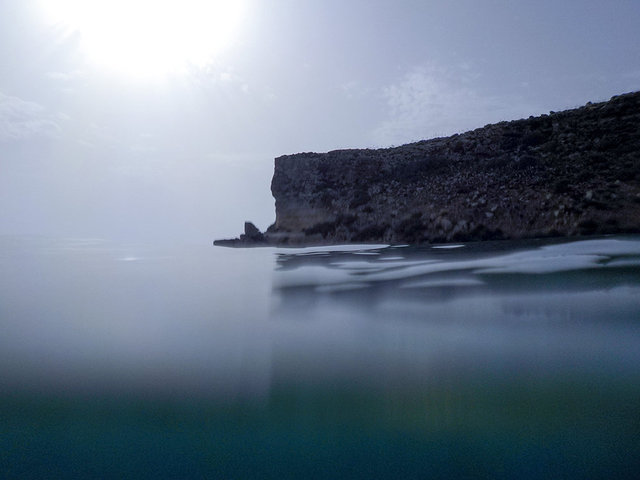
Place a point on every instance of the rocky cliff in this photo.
(567, 173)
(575, 172)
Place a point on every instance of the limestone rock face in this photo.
(568, 173)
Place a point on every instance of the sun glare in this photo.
(148, 38)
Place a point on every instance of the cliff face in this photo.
(575, 172)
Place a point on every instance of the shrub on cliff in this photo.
(322, 228)
(325, 228)
(411, 229)
(534, 138)
(372, 233)
(361, 197)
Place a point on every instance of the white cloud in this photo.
(20, 120)
(434, 101)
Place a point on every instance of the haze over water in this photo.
(497, 359)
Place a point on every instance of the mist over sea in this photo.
(513, 359)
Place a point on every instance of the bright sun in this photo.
(148, 38)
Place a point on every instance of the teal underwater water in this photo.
(486, 360)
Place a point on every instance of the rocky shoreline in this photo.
(569, 173)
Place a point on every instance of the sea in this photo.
(502, 360)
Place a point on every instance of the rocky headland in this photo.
(569, 173)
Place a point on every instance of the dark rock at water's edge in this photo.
(575, 172)
(251, 237)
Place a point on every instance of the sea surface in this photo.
(480, 360)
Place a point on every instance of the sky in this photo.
(158, 121)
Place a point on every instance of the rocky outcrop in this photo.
(575, 172)
(252, 237)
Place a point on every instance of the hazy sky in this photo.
(142, 121)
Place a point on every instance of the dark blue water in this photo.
(491, 360)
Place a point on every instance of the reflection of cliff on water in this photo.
(537, 306)
(450, 271)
